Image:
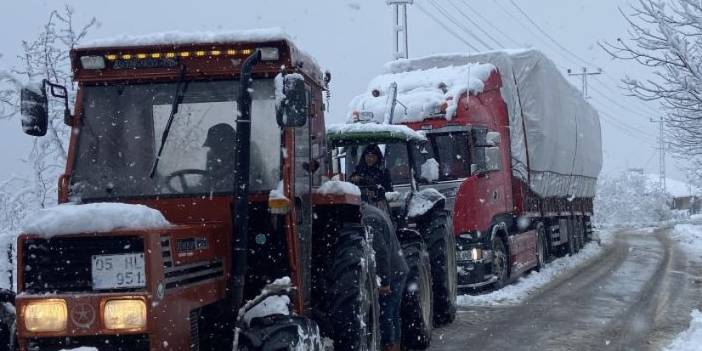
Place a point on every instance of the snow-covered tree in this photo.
(45, 57)
(630, 198)
(666, 35)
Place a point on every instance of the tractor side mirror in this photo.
(292, 110)
(35, 110)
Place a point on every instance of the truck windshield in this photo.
(122, 126)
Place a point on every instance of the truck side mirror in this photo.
(292, 110)
(35, 110)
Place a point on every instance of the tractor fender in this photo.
(424, 201)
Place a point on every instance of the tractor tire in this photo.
(541, 247)
(442, 254)
(417, 304)
(8, 336)
(354, 311)
(500, 262)
(281, 333)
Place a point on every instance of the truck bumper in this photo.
(475, 274)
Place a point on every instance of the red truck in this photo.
(514, 148)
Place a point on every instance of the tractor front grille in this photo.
(60, 265)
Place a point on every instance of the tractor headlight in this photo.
(129, 314)
(46, 315)
(474, 254)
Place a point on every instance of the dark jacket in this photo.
(375, 175)
(390, 263)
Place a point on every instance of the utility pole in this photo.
(661, 154)
(584, 75)
(400, 26)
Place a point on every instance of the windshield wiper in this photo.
(180, 89)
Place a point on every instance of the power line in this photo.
(494, 27)
(458, 24)
(445, 27)
(479, 27)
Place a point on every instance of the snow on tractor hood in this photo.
(90, 218)
(425, 92)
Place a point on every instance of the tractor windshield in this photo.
(122, 126)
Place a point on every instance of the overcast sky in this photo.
(352, 38)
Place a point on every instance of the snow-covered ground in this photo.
(691, 339)
(689, 239)
(528, 285)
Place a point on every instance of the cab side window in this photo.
(452, 151)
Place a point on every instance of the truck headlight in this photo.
(45, 315)
(127, 314)
(474, 254)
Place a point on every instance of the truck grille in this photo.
(103, 343)
(64, 264)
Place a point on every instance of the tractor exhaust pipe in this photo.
(240, 206)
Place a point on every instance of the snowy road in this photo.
(636, 296)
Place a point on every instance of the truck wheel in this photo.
(541, 244)
(500, 263)
(281, 333)
(417, 307)
(571, 240)
(353, 295)
(442, 254)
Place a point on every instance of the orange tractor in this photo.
(186, 125)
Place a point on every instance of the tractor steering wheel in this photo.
(184, 186)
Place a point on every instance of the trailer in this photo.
(518, 151)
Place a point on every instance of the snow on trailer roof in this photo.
(424, 90)
(344, 134)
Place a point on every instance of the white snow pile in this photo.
(423, 201)
(178, 37)
(88, 218)
(526, 286)
(336, 187)
(423, 92)
(430, 170)
(691, 339)
(397, 131)
(689, 238)
(277, 193)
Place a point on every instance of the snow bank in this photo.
(178, 37)
(424, 92)
(691, 339)
(629, 199)
(335, 187)
(525, 287)
(689, 238)
(97, 217)
(396, 131)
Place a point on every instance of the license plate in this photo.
(118, 271)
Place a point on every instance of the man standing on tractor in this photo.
(392, 270)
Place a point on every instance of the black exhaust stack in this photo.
(240, 206)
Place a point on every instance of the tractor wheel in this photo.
(417, 306)
(442, 254)
(500, 263)
(8, 337)
(541, 247)
(353, 295)
(281, 333)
